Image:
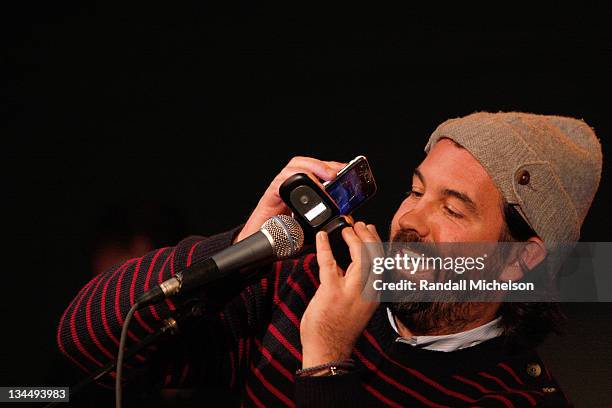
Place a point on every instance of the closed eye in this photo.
(413, 193)
(453, 213)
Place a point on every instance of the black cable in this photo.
(122, 339)
(170, 325)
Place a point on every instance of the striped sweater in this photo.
(248, 349)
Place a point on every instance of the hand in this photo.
(339, 312)
(271, 203)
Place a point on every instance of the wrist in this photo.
(335, 367)
(312, 359)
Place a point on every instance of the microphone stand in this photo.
(170, 326)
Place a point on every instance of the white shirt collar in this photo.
(451, 342)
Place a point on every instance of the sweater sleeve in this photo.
(89, 330)
(329, 391)
(524, 400)
(348, 390)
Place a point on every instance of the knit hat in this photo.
(548, 167)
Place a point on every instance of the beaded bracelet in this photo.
(334, 367)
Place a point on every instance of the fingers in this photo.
(328, 269)
(354, 244)
(314, 168)
(325, 170)
(364, 243)
(290, 171)
(367, 233)
(271, 204)
(372, 229)
(356, 236)
(336, 165)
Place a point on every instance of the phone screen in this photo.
(353, 186)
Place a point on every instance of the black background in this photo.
(192, 108)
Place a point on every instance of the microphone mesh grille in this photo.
(287, 235)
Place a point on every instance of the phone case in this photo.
(310, 228)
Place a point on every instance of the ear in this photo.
(531, 255)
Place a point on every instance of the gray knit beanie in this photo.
(548, 167)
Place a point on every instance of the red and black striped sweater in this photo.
(251, 346)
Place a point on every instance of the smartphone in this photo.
(353, 186)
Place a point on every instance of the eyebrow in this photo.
(447, 192)
(464, 198)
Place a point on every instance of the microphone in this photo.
(280, 237)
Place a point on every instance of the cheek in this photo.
(490, 231)
(446, 231)
(472, 232)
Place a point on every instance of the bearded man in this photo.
(305, 335)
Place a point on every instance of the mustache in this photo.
(403, 238)
(406, 236)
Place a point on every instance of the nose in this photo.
(416, 219)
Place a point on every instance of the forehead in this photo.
(450, 166)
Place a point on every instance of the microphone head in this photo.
(287, 235)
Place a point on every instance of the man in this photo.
(487, 177)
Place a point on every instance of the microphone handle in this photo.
(251, 251)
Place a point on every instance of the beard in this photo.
(441, 312)
(435, 318)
